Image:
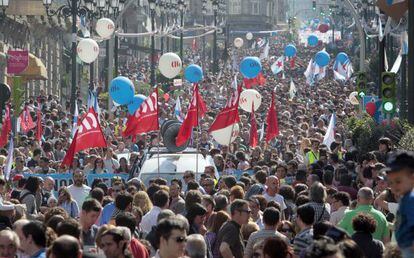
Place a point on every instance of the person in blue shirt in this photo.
(33, 239)
(109, 209)
(400, 174)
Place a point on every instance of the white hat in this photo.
(6, 206)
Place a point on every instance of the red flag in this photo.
(292, 62)
(26, 121)
(145, 118)
(39, 129)
(259, 80)
(88, 135)
(197, 105)
(254, 139)
(230, 113)
(272, 129)
(194, 45)
(6, 127)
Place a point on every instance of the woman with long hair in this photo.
(276, 247)
(28, 196)
(123, 166)
(287, 228)
(59, 152)
(221, 218)
(66, 202)
(142, 200)
(98, 167)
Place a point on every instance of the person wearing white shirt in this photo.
(271, 193)
(340, 203)
(78, 190)
(111, 164)
(160, 201)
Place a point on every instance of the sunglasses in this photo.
(131, 189)
(247, 211)
(117, 190)
(180, 239)
(206, 185)
(186, 176)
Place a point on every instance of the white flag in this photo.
(330, 133)
(278, 65)
(265, 53)
(309, 73)
(397, 64)
(9, 160)
(292, 89)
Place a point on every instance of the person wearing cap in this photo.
(400, 174)
(364, 205)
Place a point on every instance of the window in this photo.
(234, 6)
(255, 7)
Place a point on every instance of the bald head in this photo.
(196, 246)
(65, 247)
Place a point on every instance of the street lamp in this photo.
(215, 9)
(74, 8)
(181, 7)
(152, 5)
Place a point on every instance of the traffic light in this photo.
(361, 84)
(314, 5)
(388, 92)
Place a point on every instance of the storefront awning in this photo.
(36, 70)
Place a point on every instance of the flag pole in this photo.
(198, 129)
(159, 137)
(225, 159)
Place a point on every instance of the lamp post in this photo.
(152, 5)
(162, 6)
(204, 10)
(181, 7)
(215, 9)
(75, 8)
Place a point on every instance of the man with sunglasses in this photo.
(108, 210)
(229, 241)
(172, 237)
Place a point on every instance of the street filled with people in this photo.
(288, 196)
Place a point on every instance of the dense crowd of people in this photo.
(296, 197)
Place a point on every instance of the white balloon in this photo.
(88, 50)
(238, 42)
(225, 136)
(249, 36)
(353, 98)
(248, 98)
(170, 65)
(105, 27)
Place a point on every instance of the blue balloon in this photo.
(135, 103)
(342, 57)
(250, 67)
(327, 20)
(274, 33)
(322, 58)
(290, 50)
(121, 90)
(193, 73)
(316, 20)
(313, 40)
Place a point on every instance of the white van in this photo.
(173, 165)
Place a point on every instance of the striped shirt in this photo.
(302, 240)
(261, 235)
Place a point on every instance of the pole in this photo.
(152, 49)
(182, 37)
(91, 65)
(116, 47)
(74, 35)
(204, 42)
(215, 66)
(410, 89)
(381, 62)
(403, 88)
(162, 31)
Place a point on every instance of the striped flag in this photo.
(93, 102)
(177, 110)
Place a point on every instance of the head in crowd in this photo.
(65, 247)
(171, 236)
